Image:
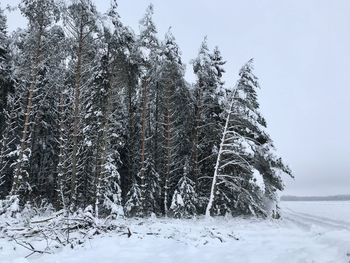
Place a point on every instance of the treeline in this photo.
(94, 115)
(316, 198)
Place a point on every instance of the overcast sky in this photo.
(302, 58)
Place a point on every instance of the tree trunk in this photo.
(197, 122)
(76, 116)
(143, 139)
(209, 208)
(132, 135)
(167, 136)
(156, 129)
(26, 129)
(61, 157)
(102, 145)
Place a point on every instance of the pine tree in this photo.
(148, 46)
(46, 134)
(170, 83)
(266, 165)
(6, 83)
(81, 23)
(126, 59)
(63, 163)
(6, 103)
(184, 201)
(40, 14)
(134, 204)
(235, 187)
(232, 190)
(208, 108)
(107, 110)
(131, 68)
(7, 146)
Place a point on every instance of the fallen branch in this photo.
(234, 237)
(45, 220)
(215, 236)
(29, 246)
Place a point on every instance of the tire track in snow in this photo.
(325, 219)
(307, 220)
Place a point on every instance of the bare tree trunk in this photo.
(61, 157)
(197, 120)
(208, 211)
(76, 116)
(26, 129)
(143, 138)
(167, 136)
(132, 135)
(102, 147)
(225, 132)
(156, 129)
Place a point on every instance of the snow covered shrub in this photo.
(28, 212)
(88, 212)
(133, 205)
(183, 204)
(112, 202)
(10, 206)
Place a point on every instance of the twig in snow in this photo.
(29, 246)
(215, 236)
(234, 237)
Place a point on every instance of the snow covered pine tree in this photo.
(6, 104)
(246, 173)
(208, 97)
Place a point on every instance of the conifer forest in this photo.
(99, 118)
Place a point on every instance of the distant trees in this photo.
(94, 115)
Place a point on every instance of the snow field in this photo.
(335, 210)
(298, 237)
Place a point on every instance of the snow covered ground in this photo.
(336, 210)
(308, 233)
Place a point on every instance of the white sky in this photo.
(302, 57)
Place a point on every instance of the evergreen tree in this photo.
(64, 117)
(184, 201)
(236, 186)
(31, 75)
(81, 21)
(134, 204)
(170, 84)
(6, 91)
(148, 46)
(46, 134)
(131, 68)
(208, 108)
(106, 107)
(8, 146)
(126, 60)
(265, 163)
(6, 84)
